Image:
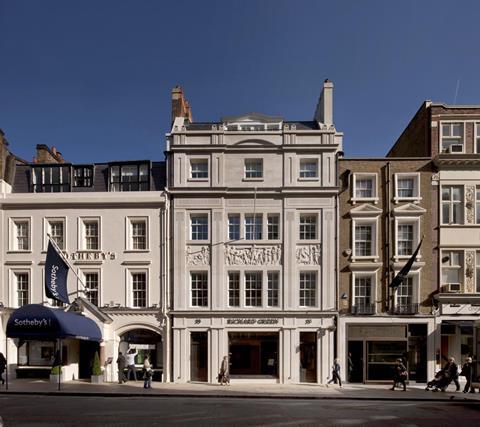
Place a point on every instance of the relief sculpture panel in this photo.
(469, 272)
(308, 255)
(254, 255)
(470, 204)
(197, 255)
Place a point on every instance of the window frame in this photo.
(254, 291)
(98, 272)
(416, 277)
(362, 176)
(476, 137)
(315, 290)
(274, 225)
(197, 161)
(374, 244)
(82, 242)
(13, 281)
(65, 178)
(123, 184)
(206, 290)
(302, 216)
(415, 222)
(13, 234)
(86, 181)
(238, 293)
(130, 298)
(458, 267)
(238, 227)
(451, 202)
(305, 172)
(248, 170)
(47, 221)
(257, 227)
(203, 215)
(441, 135)
(274, 274)
(129, 225)
(416, 187)
(373, 287)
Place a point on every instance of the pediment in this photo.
(84, 306)
(409, 209)
(365, 210)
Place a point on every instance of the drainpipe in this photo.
(388, 235)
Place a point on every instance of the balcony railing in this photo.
(405, 309)
(363, 309)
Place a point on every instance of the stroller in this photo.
(441, 381)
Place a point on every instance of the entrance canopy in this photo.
(37, 322)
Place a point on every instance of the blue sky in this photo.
(93, 77)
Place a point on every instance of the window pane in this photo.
(405, 239)
(91, 282)
(234, 289)
(308, 168)
(363, 240)
(139, 235)
(253, 289)
(22, 288)
(253, 227)
(91, 235)
(199, 168)
(56, 233)
(308, 285)
(364, 188)
(273, 227)
(253, 168)
(272, 289)
(406, 187)
(139, 289)
(199, 227)
(234, 227)
(308, 227)
(363, 291)
(199, 284)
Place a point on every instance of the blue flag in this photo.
(56, 271)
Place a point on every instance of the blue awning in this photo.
(37, 322)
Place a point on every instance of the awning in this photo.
(37, 322)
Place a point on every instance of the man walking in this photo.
(121, 363)
(451, 370)
(336, 373)
(131, 353)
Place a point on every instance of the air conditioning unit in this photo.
(453, 287)
(455, 148)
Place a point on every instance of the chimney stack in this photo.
(180, 106)
(324, 111)
(47, 155)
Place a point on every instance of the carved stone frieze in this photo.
(308, 255)
(253, 255)
(469, 272)
(470, 204)
(198, 255)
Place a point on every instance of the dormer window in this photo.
(452, 140)
(130, 177)
(82, 176)
(51, 179)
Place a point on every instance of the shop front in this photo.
(372, 349)
(260, 349)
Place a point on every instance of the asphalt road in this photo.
(178, 411)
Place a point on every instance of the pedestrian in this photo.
(336, 373)
(3, 367)
(350, 367)
(121, 364)
(451, 371)
(467, 372)
(147, 373)
(224, 376)
(399, 374)
(130, 357)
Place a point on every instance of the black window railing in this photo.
(363, 309)
(406, 309)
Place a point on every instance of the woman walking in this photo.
(336, 373)
(223, 376)
(147, 373)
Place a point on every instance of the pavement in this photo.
(415, 392)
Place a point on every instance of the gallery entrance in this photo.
(86, 356)
(308, 357)
(199, 356)
(253, 354)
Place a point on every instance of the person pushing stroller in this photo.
(444, 377)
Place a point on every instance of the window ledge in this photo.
(313, 178)
(198, 180)
(407, 199)
(89, 250)
(374, 258)
(355, 200)
(133, 251)
(253, 179)
(19, 252)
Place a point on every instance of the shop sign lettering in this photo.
(36, 323)
(91, 256)
(247, 321)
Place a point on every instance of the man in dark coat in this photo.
(121, 363)
(467, 372)
(399, 375)
(451, 370)
(3, 366)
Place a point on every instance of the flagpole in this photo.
(60, 252)
(6, 367)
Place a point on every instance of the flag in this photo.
(56, 271)
(403, 273)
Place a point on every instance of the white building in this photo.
(253, 202)
(114, 241)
